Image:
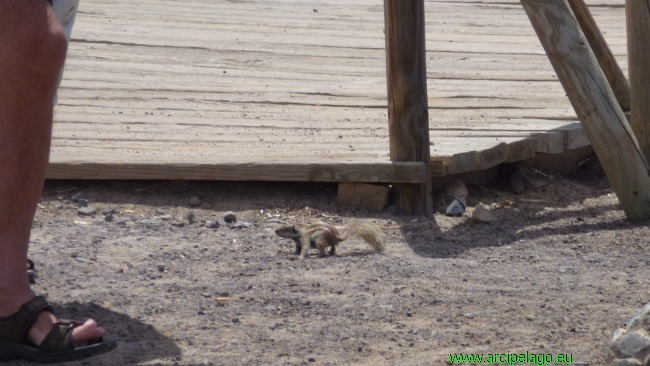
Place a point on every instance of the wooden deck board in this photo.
(272, 90)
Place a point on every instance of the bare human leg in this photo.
(33, 51)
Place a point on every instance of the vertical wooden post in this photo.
(408, 109)
(638, 46)
(594, 103)
(603, 53)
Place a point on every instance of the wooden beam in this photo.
(594, 103)
(603, 53)
(408, 110)
(371, 196)
(638, 45)
(389, 172)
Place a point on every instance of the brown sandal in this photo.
(57, 346)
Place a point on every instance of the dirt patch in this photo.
(558, 273)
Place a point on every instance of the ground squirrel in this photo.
(321, 236)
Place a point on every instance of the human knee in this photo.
(46, 55)
(34, 41)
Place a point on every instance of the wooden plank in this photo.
(408, 110)
(264, 171)
(638, 28)
(371, 196)
(146, 81)
(603, 53)
(594, 102)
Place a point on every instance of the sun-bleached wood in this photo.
(408, 109)
(594, 103)
(145, 83)
(638, 30)
(603, 53)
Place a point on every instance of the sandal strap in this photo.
(60, 337)
(15, 327)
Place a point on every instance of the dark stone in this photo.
(456, 209)
(230, 216)
(212, 224)
(633, 343)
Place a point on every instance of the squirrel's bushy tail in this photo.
(370, 233)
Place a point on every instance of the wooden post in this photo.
(594, 103)
(408, 110)
(603, 53)
(638, 46)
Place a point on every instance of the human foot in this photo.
(82, 335)
(34, 334)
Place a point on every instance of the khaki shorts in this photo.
(66, 11)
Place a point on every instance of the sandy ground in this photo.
(558, 273)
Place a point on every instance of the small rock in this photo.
(82, 203)
(109, 217)
(273, 326)
(164, 217)
(195, 202)
(230, 217)
(109, 210)
(74, 253)
(191, 217)
(235, 320)
(315, 11)
(271, 308)
(178, 186)
(161, 267)
(457, 190)
(275, 221)
(240, 225)
(482, 214)
(58, 206)
(456, 209)
(86, 211)
(212, 224)
(311, 359)
(160, 212)
(81, 260)
(633, 343)
(77, 197)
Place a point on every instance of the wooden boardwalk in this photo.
(296, 90)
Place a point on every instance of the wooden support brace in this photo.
(594, 103)
(603, 53)
(408, 110)
(638, 46)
